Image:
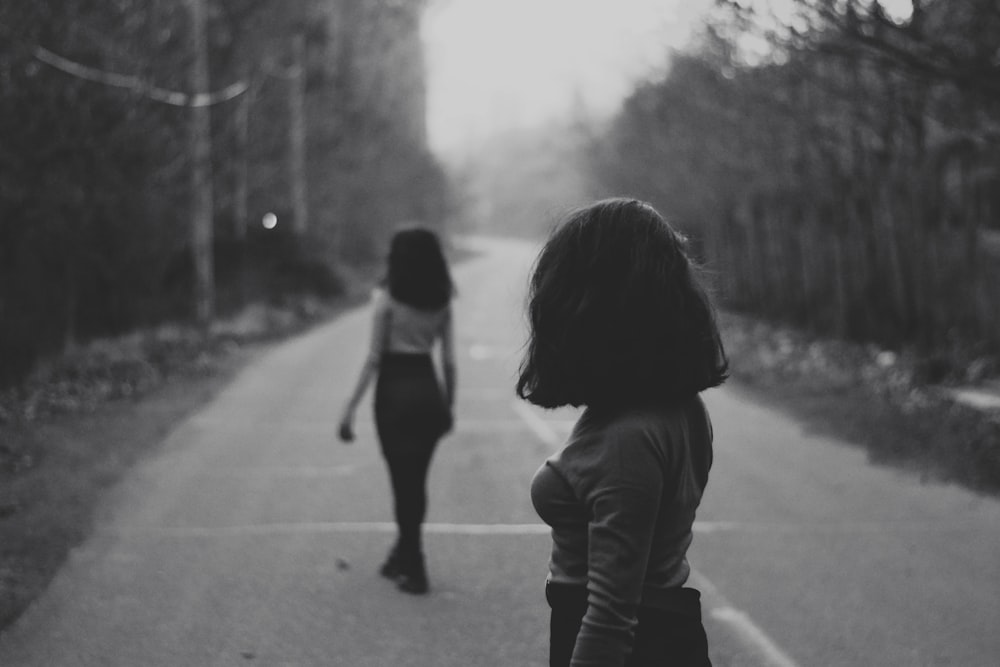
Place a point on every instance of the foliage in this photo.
(871, 396)
(95, 231)
(846, 177)
(128, 367)
(75, 227)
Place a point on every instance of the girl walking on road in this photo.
(620, 325)
(412, 410)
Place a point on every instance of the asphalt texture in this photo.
(254, 536)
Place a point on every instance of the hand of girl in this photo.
(346, 430)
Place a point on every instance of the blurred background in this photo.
(835, 163)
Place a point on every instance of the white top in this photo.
(402, 328)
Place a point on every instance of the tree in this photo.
(96, 171)
(842, 179)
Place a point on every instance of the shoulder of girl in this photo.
(624, 452)
(630, 426)
(612, 439)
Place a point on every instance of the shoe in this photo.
(415, 584)
(413, 575)
(391, 568)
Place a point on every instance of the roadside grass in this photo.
(86, 418)
(874, 398)
(50, 493)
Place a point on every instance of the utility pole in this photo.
(297, 134)
(201, 170)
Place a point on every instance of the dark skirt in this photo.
(409, 404)
(673, 636)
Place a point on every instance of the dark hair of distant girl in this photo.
(617, 315)
(418, 272)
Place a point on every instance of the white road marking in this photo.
(473, 425)
(279, 471)
(713, 526)
(312, 527)
(740, 621)
(539, 426)
(748, 629)
(487, 528)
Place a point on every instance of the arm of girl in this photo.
(448, 363)
(369, 370)
(623, 499)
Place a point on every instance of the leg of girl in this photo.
(409, 463)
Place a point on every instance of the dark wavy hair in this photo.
(418, 273)
(617, 315)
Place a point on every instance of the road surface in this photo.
(253, 537)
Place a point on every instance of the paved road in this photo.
(253, 538)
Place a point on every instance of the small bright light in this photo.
(270, 221)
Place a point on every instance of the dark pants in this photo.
(411, 416)
(671, 637)
(408, 473)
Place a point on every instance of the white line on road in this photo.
(280, 471)
(312, 527)
(740, 621)
(487, 528)
(472, 425)
(306, 527)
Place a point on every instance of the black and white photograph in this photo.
(499, 333)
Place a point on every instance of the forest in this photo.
(144, 141)
(837, 166)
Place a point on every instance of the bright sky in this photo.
(496, 64)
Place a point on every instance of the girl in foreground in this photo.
(620, 325)
(412, 411)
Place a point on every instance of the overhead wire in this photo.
(132, 82)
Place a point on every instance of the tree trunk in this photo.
(841, 317)
(297, 135)
(201, 171)
(241, 188)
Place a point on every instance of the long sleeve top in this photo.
(621, 499)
